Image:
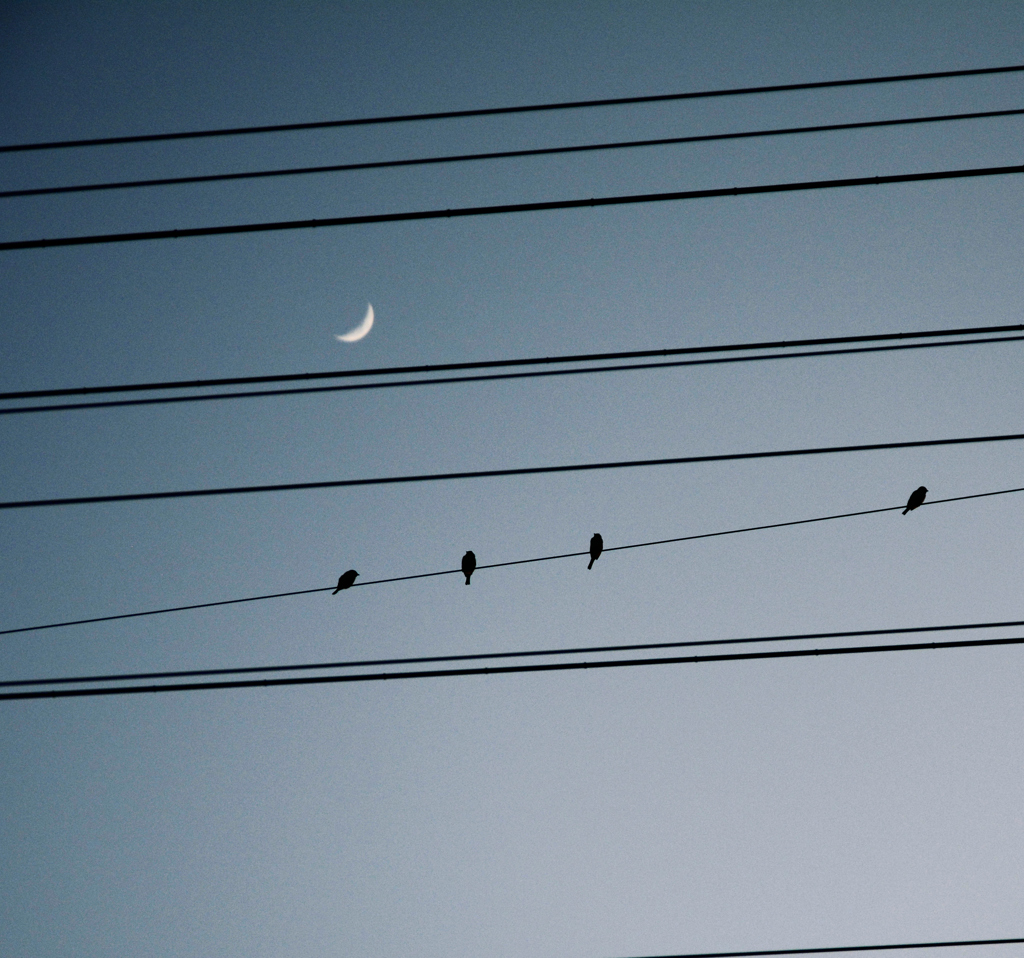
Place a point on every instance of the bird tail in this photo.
(336, 591)
(467, 580)
(905, 511)
(591, 566)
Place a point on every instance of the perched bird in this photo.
(596, 545)
(916, 498)
(345, 581)
(468, 564)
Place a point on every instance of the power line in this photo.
(536, 653)
(500, 565)
(449, 380)
(505, 110)
(538, 207)
(501, 363)
(177, 608)
(507, 669)
(504, 154)
(495, 473)
(827, 951)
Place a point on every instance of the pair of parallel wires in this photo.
(60, 687)
(13, 403)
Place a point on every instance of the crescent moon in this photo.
(354, 335)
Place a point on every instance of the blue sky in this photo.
(631, 812)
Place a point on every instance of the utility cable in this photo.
(490, 377)
(501, 565)
(828, 951)
(536, 653)
(504, 154)
(505, 669)
(495, 473)
(505, 110)
(538, 207)
(502, 363)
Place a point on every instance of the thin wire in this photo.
(545, 206)
(826, 951)
(496, 473)
(536, 653)
(502, 363)
(505, 154)
(448, 380)
(505, 110)
(507, 669)
(500, 565)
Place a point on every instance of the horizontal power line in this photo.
(971, 943)
(538, 207)
(503, 363)
(505, 110)
(536, 653)
(491, 377)
(501, 565)
(496, 473)
(506, 154)
(507, 669)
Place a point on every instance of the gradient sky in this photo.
(773, 804)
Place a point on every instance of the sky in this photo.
(600, 814)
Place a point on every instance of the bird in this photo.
(916, 498)
(596, 545)
(468, 564)
(345, 581)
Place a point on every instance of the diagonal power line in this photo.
(496, 473)
(537, 207)
(501, 565)
(506, 110)
(505, 154)
(971, 943)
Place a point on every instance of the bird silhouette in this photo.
(345, 581)
(596, 545)
(468, 564)
(916, 498)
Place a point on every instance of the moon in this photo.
(354, 335)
